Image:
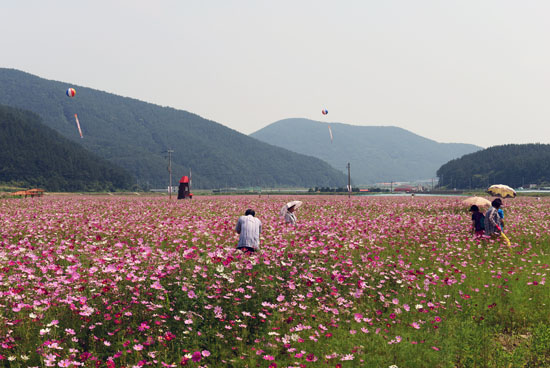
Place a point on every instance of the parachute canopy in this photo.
(71, 92)
(324, 111)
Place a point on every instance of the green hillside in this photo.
(376, 153)
(512, 164)
(135, 135)
(34, 155)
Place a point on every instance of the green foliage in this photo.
(512, 164)
(34, 155)
(135, 135)
(376, 153)
(540, 345)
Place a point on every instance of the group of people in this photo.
(249, 228)
(491, 223)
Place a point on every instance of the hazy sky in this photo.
(454, 71)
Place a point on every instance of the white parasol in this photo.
(295, 204)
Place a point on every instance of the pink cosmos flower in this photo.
(196, 357)
(65, 363)
(311, 358)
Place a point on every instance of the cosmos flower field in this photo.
(366, 282)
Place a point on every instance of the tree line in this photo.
(516, 165)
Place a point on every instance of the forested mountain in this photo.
(515, 165)
(376, 153)
(136, 135)
(33, 155)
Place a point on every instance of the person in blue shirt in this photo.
(501, 215)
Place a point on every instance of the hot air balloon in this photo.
(71, 92)
(324, 111)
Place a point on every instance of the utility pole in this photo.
(391, 186)
(349, 181)
(170, 151)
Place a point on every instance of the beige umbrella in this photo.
(295, 204)
(478, 201)
(501, 190)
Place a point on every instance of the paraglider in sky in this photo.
(71, 92)
(325, 112)
(78, 125)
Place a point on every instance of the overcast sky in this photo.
(453, 71)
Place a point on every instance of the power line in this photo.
(170, 151)
(349, 181)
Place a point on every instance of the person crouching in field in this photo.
(290, 217)
(478, 221)
(249, 229)
(493, 222)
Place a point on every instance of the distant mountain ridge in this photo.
(511, 164)
(376, 153)
(34, 155)
(136, 135)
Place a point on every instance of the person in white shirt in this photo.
(249, 229)
(290, 217)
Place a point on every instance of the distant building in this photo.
(405, 188)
